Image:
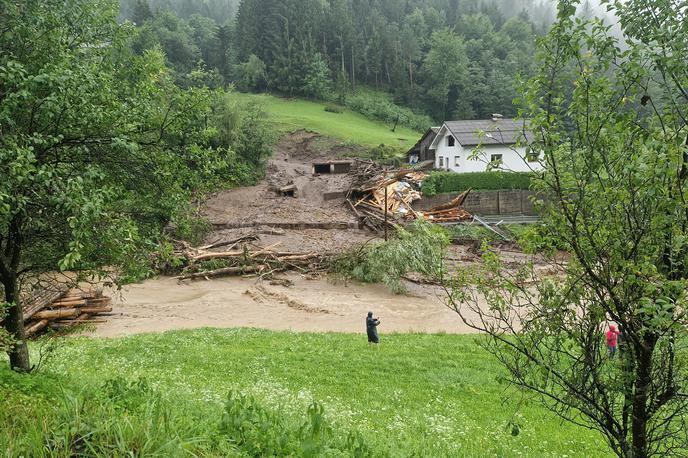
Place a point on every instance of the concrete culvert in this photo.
(321, 169)
(288, 191)
(342, 167)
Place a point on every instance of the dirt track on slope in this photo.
(309, 305)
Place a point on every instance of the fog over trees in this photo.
(444, 58)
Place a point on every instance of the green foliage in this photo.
(422, 395)
(174, 36)
(116, 418)
(258, 431)
(100, 146)
(378, 106)
(288, 115)
(609, 114)
(317, 79)
(440, 182)
(251, 74)
(461, 64)
(522, 234)
(334, 108)
(100, 150)
(243, 134)
(389, 155)
(444, 70)
(419, 249)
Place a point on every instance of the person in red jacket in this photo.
(612, 340)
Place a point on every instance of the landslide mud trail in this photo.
(290, 164)
(309, 305)
(298, 224)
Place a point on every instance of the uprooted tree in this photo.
(97, 148)
(609, 118)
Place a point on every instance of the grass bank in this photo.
(417, 395)
(293, 114)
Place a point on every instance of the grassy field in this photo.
(293, 114)
(417, 395)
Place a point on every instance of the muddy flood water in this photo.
(308, 305)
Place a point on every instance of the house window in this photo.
(441, 161)
(450, 141)
(496, 159)
(456, 161)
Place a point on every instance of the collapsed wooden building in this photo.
(387, 199)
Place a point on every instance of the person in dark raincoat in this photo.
(371, 328)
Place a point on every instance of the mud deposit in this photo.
(313, 206)
(310, 221)
(309, 305)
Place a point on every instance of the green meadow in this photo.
(165, 394)
(347, 126)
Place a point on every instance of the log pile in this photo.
(242, 257)
(402, 188)
(68, 308)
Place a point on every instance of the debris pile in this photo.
(393, 193)
(451, 212)
(242, 256)
(59, 308)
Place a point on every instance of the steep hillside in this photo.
(293, 114)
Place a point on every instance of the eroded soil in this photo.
(307, 222)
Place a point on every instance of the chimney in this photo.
(496, 117)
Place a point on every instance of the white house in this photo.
(456, 141)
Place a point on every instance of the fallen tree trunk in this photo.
(96, 310)
(99, 301)
(224, 271)
(69, 304)
(56, 314)
(36, 327)
(298, 257)
(245, 238)
(234, 254)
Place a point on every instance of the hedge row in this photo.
(439, 182)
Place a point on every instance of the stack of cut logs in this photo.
(69, 309)
(243, 257)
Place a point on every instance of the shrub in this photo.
(333, 108)
(257, 431)
(387, 154)
(419, 249)
(439, 182)
(118, 418)
(378, 106)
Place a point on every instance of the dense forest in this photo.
(444, 58)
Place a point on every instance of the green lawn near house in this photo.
(416, 395)
(294, 114)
